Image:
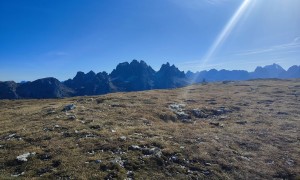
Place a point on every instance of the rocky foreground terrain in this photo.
(226, 130)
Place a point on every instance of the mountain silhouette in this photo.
(133, 76)
(169, 77)
(89, 84)
(270, 71)
(43, 88)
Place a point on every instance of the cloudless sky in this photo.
(43, 38)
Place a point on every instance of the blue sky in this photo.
(43, 38)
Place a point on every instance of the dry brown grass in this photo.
(257, 139)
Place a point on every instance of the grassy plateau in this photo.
(226, 130)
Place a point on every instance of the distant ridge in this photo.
(134, 76)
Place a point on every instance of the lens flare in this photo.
(223, 35)
(226, 31)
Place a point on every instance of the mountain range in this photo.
(133, 76)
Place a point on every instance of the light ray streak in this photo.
(222, 37)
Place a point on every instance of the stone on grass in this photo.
(176, 107)
(118, 161)
(69, 107)
(123, 138)
(179, 111)
(24, 156)
(241, 122)
(17, 175)
(152, 151)
(134, 147)
(72, 117)
(98, 161)
(199, 114)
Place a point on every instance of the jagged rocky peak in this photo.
(133, 76)
(169, 77)
(169, 70)
(274, 67)
(89, 83)
(80, 74)
(91, 73)
(134, 68)
(102, 74)
(269, 71)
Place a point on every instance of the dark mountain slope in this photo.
(134, 76)
(170, 77)
(8, 90)
(43, 88)
(89, 84)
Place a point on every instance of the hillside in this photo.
(229, 130)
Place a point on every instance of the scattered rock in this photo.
(206, 173)
(91, 152)
(42, 171)
(174, 159)
(98, 161)
(98, 127)
(290, 162)
(90, 135)
(90, 99)
(220, 111)
(118, 161)
(56, 163)
(118, 105)
(282, 113)
(215, 123)
(123, 138)
(12, 136)
(179, 111)
(24, 157)
(222, 118)
(269, 162)
(44, 157)
(268, 102)
(152, 151)
(199, 114)
(130, 175)
(69, 107)
(146, 122)
(245, 158)
(134, 147)
(51, 112)
(183, 116)
(99, 101)
(72, 117)
(17, 175)
(207, 164)
(241, 122)
(177, 107)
